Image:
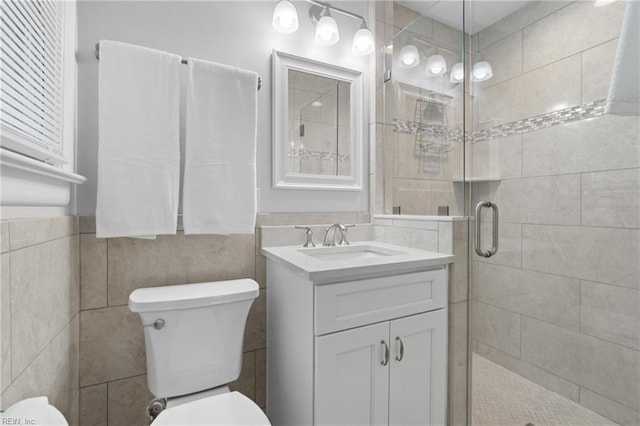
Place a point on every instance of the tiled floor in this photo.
(504, 398)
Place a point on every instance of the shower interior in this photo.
(554, 316)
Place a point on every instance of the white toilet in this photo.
(193, 335)
(33, 411)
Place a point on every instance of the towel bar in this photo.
(183, 61)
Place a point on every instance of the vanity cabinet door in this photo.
(417, 387)
(351, 382)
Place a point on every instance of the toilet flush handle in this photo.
(157, 324)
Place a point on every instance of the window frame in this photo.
(38, 178)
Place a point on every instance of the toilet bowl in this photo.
(33, 411)
(193, 336)
(231, 408)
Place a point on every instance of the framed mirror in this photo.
(317, 125)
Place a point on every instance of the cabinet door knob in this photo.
(385, 353)
(400, 354)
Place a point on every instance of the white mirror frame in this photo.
(282, 178)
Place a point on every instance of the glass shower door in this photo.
(555, 311)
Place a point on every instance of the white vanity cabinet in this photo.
(387, 373)
(366, 348)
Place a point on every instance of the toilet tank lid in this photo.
(185, 296)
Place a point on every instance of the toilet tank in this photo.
(193, 333)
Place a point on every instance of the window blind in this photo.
(31, 77)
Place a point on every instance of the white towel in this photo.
(624, 90)
(138, 142)
(219, 195)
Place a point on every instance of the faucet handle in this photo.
(344, 241)
(309, 234)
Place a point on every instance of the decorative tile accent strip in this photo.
(317, 155)
(550, 119)
(531, 124)
(432, 130)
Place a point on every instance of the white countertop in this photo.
(333, 268)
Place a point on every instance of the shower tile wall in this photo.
(418, 183)
(39, 296)
(113, 382)
(560, 302)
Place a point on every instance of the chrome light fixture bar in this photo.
(285, 20)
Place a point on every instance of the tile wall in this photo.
(560, 302)
(39, 312)
(113, 385)
(418, 181)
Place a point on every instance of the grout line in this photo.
(608, 399)
(10, 327)
(107, 270)
(544, 65)
(522, 361)
(521, 155)
(522, 315)
(40, 243)
(580, 306)
(522, 28)
(41, 351)
(520, 336)
(556, 275)
(581, 197)
(521, 246)
(581, 77)
(111, 381)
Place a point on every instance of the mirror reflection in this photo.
(318, 125)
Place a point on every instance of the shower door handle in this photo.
(478, 242)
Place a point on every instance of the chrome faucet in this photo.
(343, 235)
(335, 227)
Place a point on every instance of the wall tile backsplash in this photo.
(40, 297)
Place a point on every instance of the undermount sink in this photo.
(333, 253)
(361, 259)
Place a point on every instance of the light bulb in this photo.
(286, 21)
(285, 17)
(327, 29)
(481, 71)
(363, 43)
(457, 73)
(436, 66)
(409, 56)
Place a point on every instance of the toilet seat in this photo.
(232, 408)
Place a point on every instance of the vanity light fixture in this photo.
(436, 66)
(409, 56)
(327, 29)
(363, 43)
(285, 17)
(481, 71)
(457, 73)
(285, 20)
